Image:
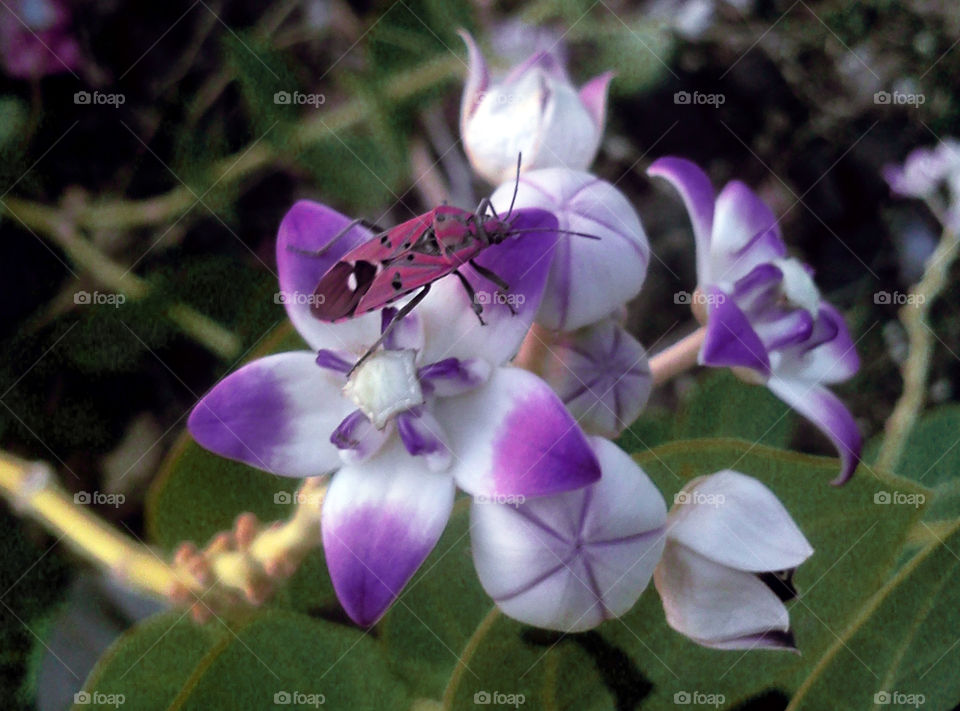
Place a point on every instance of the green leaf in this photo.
(722, 405)
(168, 662)
(855, 540)
(931, 457)
(901, 647)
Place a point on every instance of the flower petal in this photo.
(834, 357)
(570, 561)
(602, 375)
(276, 414)
(697, 192)
(357, 438)
(523, 262)
(423, 436)
(618, 260)
(735, 520)
(452, 376)
(740, 217)
(714, 605)
(309, 226)
(478, 79)
(731, 340)
(513, 436)
(380, 521)
(829, 414)
(593, 94)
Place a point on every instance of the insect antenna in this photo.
(516, 187)
(560, 232)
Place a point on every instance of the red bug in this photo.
(411, 256)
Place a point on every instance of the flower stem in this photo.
(234, 567)
(535, 348)
(679, 357)
(916, 368)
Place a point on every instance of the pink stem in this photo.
(679, 357)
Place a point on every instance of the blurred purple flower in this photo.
(926, 174)
(535, 111)
(728, 564)
(35, 39)
(764, 315)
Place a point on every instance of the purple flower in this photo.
(764, 315)
(35, 39)
(571, 561)
(728, 564)
(933, 175)
(535, 111)
(590, 278)
(504, 432)
(601, 374)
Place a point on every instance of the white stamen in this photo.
(385, 384)
(798, 286)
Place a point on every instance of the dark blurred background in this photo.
(164, 185)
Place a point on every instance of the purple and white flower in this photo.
(504, 432)
(590, 278)
(928, 174)
(764, 315)
(535, 111)
(601, 374)
(571, 561)
(728, 564)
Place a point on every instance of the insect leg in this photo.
(353, 223)
(406, 309)
(485, 205)
(496, 279)
(477, 306)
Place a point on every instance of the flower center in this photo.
(385, 384)
(798, 286)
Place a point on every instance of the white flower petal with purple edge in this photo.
(308, 227)
(275, 414)
(514, 437)
(571, 561)
(380, 521)
(617, 260)
(523, 262)
(601, 374)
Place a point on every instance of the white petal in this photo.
(713, 604)
(570, 561)
(735, 520)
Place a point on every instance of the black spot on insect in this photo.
(385, 240)
(397, 284)
(441, 218)
(410, 257)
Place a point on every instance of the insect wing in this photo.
(399, 278)
(341, 290)
(393, 243)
